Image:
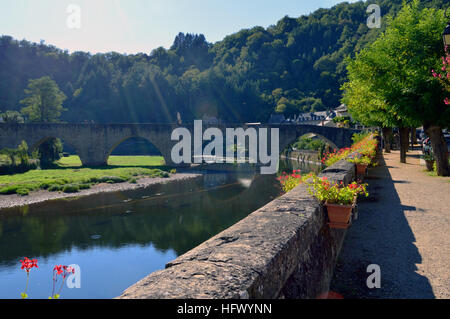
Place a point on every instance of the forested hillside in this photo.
(292, 67)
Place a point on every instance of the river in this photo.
(118, 238)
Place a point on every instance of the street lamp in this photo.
(446, 34)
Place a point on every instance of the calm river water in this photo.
(119, 238)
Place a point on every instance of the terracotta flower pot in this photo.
(339, 215)
(430, 165)
(361, 169)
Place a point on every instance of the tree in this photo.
(50, 151)
(44, 101)
(44, 105)
(12, 117)
(399, 63)
(364, 101)
(21, 151)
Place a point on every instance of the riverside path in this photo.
(404, 227)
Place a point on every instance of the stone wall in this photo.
(283, 250)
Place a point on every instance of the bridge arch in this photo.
(154, 150)
(66, 144)
(319, 136)
(337, 137)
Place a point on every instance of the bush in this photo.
(22, 192)
(165, 174)
(173, 171)
(44, 185)
(70, 188)
(358, 137)
(365, 147)
(108, 179)
(289, 182)
(54, 188)
(8, 190)
(310, 144)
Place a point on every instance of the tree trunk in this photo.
(414, 136)
(440, 151)
(387, 137)
(404, 143)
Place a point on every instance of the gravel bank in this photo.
(9, 201)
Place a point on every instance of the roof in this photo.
(342, 108)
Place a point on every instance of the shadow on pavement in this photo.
(381, 236)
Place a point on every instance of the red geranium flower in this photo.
(58, 269)
(28, 264)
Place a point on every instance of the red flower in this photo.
(28, 264)
(70, 270)
(63, 270)
(59, 269)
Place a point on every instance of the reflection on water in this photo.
(289, 166)
(119, 238)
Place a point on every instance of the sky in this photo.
(132, 26)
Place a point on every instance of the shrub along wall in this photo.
(283, 250)
(10, 169)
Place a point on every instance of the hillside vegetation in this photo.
(291, 67)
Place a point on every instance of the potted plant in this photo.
(429, 160)
(338, 199)
(362, 162)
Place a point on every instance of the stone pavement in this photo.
(404, 227)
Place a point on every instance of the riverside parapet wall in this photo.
(283, 250)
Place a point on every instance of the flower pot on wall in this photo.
(361, 169)
(339, 215)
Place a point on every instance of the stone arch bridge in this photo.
(95, 142)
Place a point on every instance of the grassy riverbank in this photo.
(130, 161)
(68, 176)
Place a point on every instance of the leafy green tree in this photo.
(44, 104)
(44, 101)
(12, 117)
(364, 100)
(22, 151)
(50, 151)
(399, 63)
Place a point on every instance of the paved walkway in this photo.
(404, 227)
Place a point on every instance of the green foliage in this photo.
(335, 193)
(50, 151)
(346, 121)
(294, 66)
(363, 160)
(428, 157)
(290, 181)
(55, 188)
(70, 188)
(306, 143)
(11, 117)
(358, 137)
(71, 181)
(18, 160)
(43, 102)
(22, 191)
(390, 82)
